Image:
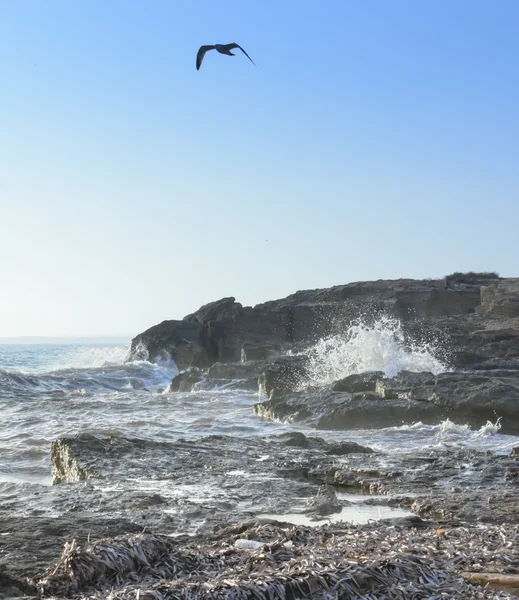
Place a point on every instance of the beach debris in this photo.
(365, 561)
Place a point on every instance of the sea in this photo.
(49, 390)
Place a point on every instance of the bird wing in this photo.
(201, 53)
(234, 45)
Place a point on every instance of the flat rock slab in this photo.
(472, 398)
(196, 487)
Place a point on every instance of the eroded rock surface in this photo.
(470, 315)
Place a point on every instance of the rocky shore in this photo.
(470, 321)
(271, 516)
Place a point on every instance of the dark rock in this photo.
(441, 309)
(467, 397)
(342, 448)
(236, 370)
(295, 439)
(12, 587)
(32, 543)
(215, 311)
(340, 410)
(400, 386)
(284, 375)
(361, 382)
(184, 381)
(250, 352)
(369, 411)
(325, 502)
(184, 341)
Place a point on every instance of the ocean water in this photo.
(53, 390)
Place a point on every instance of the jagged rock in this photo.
(501, 298)
(236, 370)
(475, 397)
(401, 386)
(369, 411)
(185, 380)
(464, 398)
(361, 382)
(184, 341)
(284, 375)
(250, 352)
(441, 309)
(65, 468)
(341, 410)
(342, 448)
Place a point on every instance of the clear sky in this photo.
(375, 139)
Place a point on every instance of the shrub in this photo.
(471, 277)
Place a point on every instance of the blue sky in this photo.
(373, 140)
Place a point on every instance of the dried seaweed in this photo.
(359, 562)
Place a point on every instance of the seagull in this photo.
(222, 49)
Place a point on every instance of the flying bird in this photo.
(222, 49)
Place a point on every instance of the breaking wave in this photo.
(377, 347)
(82, 370)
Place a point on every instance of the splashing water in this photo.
(377, 347)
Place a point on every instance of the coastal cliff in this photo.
(476, 315)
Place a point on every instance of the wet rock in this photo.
(325, 502)
(12, 587)
(461, 485)
(361, 382)
(29, 544)
(250, 352)
(184, 341)
(339, 410)
(241, 371)
(185, 380)
(343, 448)
(473, 398)
(64, 466)
(296, 439)
(194, 486)
(300, 407)
(284, 375)
(400, 387)
(470, 397)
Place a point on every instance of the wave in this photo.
(380, 346)
(82, 371)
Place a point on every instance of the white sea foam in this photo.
(377, 347)
(89, 357)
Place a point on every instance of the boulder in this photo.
(468, 397)
(361, 382)
(369, 411)
(284, 375)
(330, 410)
(500, 298)
(185, 380)
(184, 341)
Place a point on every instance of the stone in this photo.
(500, 298)
(185, 380)
(358, 382)
(284, 375)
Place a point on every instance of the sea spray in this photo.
(379, 346)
